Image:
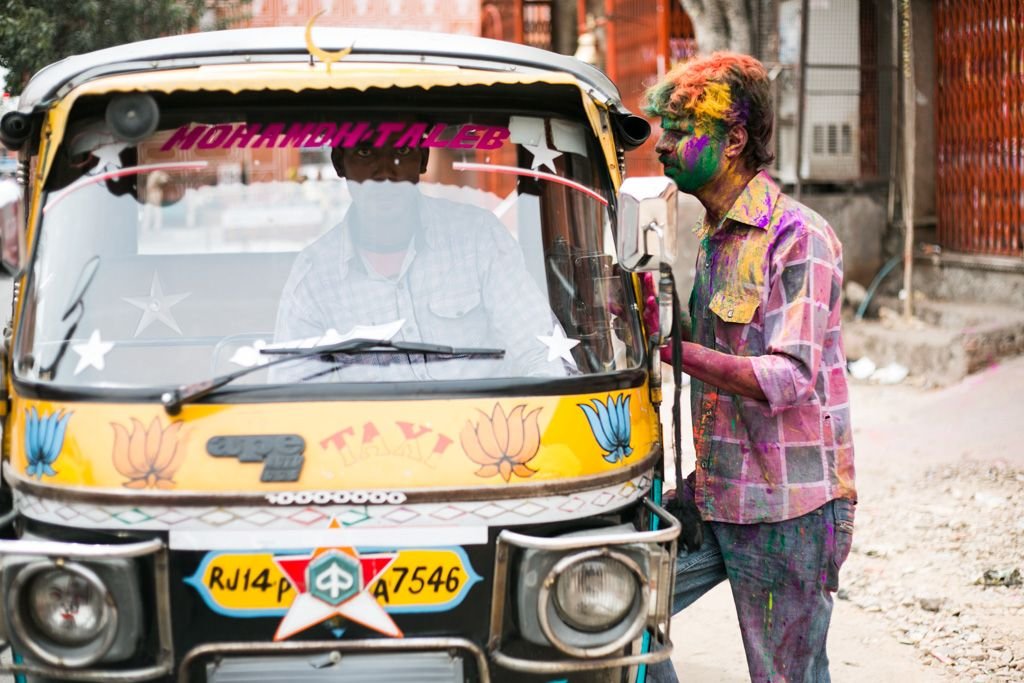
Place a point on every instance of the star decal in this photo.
(156, 306)
(334, 582)
(109, 157)
(559, 345)
(543, 155)
(92, 352)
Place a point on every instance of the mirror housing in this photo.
(646, 239)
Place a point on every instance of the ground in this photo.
(939, 477)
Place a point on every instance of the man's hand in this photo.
(680, 504)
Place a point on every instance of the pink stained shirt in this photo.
(769, 286)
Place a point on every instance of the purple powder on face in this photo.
(693, 149)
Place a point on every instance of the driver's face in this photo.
(385, 163)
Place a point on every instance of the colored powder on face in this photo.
(714, 104)
(692, 150)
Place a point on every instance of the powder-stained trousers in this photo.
(782, 576)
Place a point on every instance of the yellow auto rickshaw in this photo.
(327, 363)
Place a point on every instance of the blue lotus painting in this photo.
(44, 438)
(611, 426)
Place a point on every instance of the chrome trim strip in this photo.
(7, 518)
(320, 646)
(80, 551)
(164, 664)
(563, 665)
(664, 535)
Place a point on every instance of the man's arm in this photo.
(802, 285)
(805, 283)
(734, 374)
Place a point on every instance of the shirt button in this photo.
(729, 314)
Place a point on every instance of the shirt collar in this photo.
(754, 206)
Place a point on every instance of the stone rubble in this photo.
(944, 571)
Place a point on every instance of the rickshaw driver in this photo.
(450, 271)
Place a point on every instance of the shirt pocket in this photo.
(456, 318)
(732, 307)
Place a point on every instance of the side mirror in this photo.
(646, 239)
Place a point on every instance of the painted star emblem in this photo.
(92, 352)
(559, 345)
(543, 155)
(334, 582)
(156, 306)
(108, 156)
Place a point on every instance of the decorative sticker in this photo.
(346, 134)
(559, 346)
(361, 585)
(281, 454)
(610, 423)
(503, 444)
(149, 456)
(44, 438)
(415, 442)
(156, 306)
(91, 354)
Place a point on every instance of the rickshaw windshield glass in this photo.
(229, 241)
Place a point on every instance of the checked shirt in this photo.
(769, 286)
(463, 284)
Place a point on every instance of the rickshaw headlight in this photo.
(62, 612)
(67, 607)
(596, 594)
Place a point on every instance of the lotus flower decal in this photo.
(149, 457)
(611, 426)
(44, 437)
(503, 444)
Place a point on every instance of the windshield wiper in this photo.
(187, 393)
(76, 304)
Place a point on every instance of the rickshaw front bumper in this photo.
(527, 571)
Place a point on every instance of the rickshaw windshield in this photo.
(234, 239)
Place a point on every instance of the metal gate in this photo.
(980, 126)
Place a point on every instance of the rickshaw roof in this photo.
(288, 44)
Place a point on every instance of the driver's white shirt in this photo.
(463, 283)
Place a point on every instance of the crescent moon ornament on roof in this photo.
(326, 56)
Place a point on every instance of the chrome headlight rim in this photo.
(639, 611)
(57, 654)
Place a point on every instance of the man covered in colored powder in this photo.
(774, 479)
(443, 272)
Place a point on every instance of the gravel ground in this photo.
(941, 565)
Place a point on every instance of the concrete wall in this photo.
(980, 279)
(859, 221)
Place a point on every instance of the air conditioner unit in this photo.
(831, 127)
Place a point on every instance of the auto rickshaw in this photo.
(249, 436)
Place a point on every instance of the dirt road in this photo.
(941, 486)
